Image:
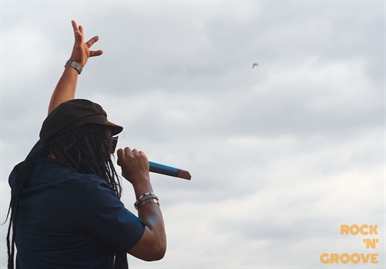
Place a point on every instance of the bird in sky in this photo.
(255, 64)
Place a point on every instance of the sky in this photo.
(281, 155)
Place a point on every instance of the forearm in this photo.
(151, 215)
(135, 168)
(153, 243)
(65, 88)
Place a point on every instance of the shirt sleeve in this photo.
(106, 218)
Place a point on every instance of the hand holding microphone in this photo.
(150, 166)
(134, 164)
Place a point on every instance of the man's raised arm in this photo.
(66, 87)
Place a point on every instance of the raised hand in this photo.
(66, 87)
(81, 50)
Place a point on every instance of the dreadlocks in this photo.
(87, 150)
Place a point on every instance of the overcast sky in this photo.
(280, 154)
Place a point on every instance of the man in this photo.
(65, 210)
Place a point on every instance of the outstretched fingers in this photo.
(81, 50)
(78, 33)
(74, 25)
(90, 43)
(95, 53)
(81, 29)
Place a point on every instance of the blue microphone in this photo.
(168, 170)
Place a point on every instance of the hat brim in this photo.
(95, 119)
(115, 129)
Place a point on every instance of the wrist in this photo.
(146, 198)
(141, 187)
(74, 65)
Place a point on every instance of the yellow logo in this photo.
(355, 258)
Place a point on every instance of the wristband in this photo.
(146, 198)
(74, 65)
(148, 201)
(145, 194)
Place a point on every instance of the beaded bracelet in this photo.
(144, 198)
(148, 197)
(148, 201)
(145, 194)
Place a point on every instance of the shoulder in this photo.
(92, 184)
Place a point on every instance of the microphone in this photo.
(168, 170)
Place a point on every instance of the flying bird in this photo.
(255, 64)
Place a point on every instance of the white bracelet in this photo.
(74, 65)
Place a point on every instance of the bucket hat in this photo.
(73, 114)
